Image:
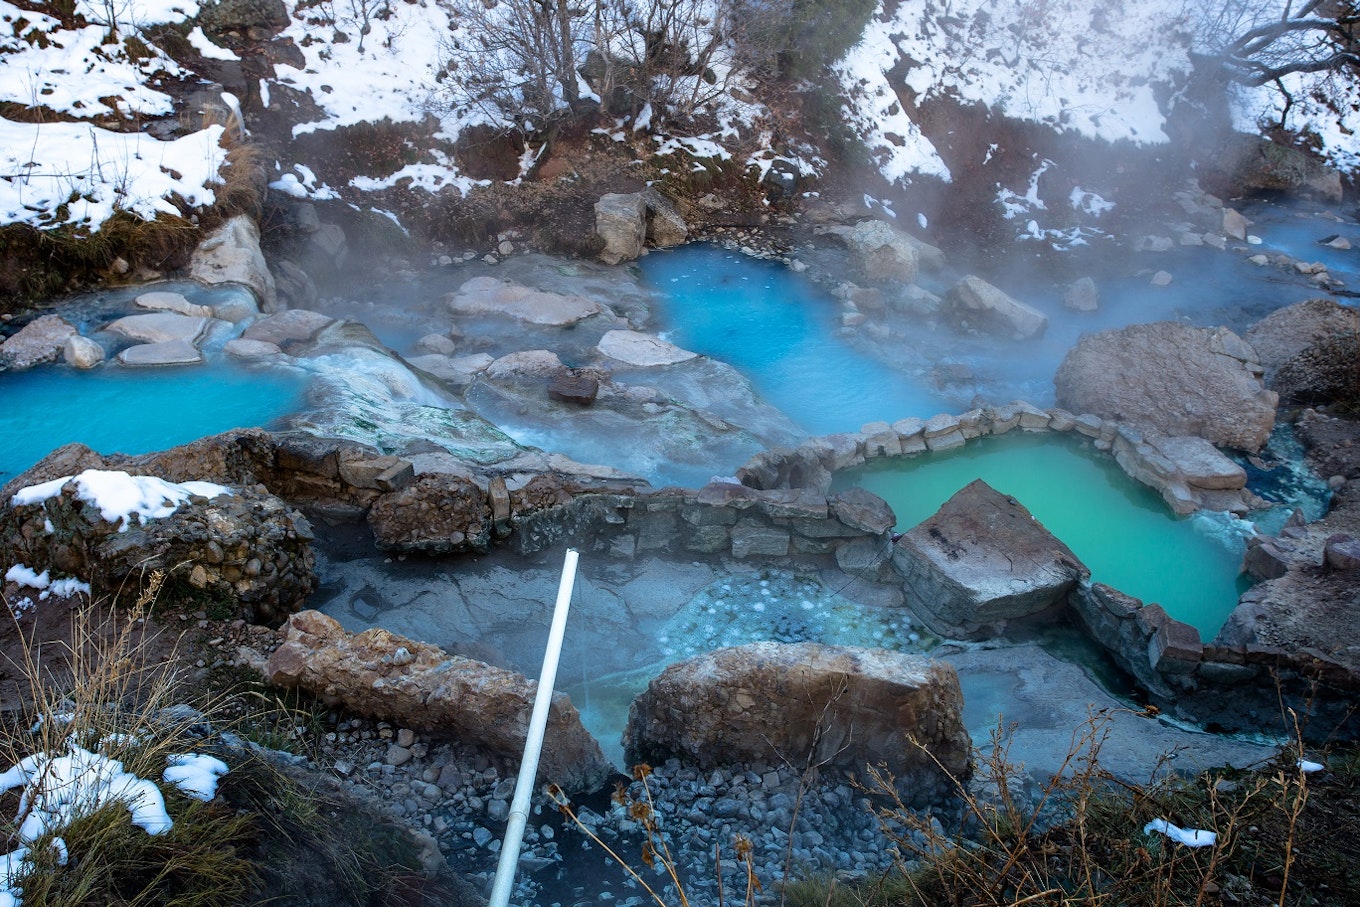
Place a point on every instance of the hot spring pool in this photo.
(779, 330)
(132, 411)
(1121, 530)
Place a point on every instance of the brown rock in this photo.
(381, 675)
(436, 514)
(1172, 379)
(578, 389)
(837, 707)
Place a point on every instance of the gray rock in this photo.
(489, 296)
(167, 352)
(1341, 552)
(665, 225)
(975, 300)
(82, 352)
(644, 350)
(886, 253)
(231, 254)
(1172, 379)
(166, 301)
(621, 222)
(1082, 296)
(1287, 332)
(160, 327)
(982, 561)
(41, 340)
(290, 327)
(241, 348)
(475, 702)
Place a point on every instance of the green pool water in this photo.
(1121, 530)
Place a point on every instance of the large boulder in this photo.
(1287, 332)
(666, 226)
(382, 675)
(41, 340)
(979, 304)
(231, 254)
(621, 221)
(1172, 379)
(1251, 163)
(884, 252)
(1326, 372)
(981, 562)
(489, 296)
(160, 327)
(243, 547)
(836, 707)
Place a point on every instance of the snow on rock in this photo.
(874, 112)
(120, 496)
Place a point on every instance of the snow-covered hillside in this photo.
(1104, 70)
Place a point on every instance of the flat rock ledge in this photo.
(841, 708)
(382, 675)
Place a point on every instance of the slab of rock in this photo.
(1200, 463)
(290, 327)
(159, 327)
(621, 222)
(636, 348)
(982, 561)
(419, 686)
(231, 254)
(1172, 379)
(455, 370)
(983, 305)
(838, 707)
(167, 352)
(489, 296)
(251, 349)
(82, 352)
(1341, 552)
(166, 301)
(41, 340)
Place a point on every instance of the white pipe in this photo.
(538, 721)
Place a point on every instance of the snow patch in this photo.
(119, 496)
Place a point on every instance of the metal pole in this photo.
(533, 744)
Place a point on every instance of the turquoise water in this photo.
(780, 331)
(132, 411)
(1121, 530)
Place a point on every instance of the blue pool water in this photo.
(1121, 530)
(132, 411)
(780, 331)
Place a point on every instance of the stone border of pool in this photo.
(1233, 686)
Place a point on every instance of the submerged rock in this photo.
(981, 562)
(420, 686)
(41, 340)
(836, 707)
(166, 352)
(1173, 379)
